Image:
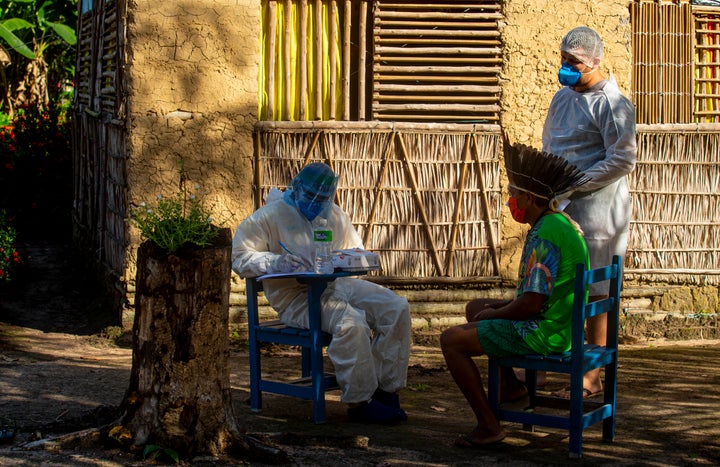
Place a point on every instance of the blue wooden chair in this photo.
(314, 382)
(576, 414)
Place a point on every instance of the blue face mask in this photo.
(310, 210)
(311, 204)
(568, 75)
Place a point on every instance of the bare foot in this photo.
(565, 393)
(480, 438)
(592, 383)
(541, 376)
(590, 389)
(511, 391)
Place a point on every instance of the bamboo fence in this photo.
(676, 72)
(675, 226)
(385, 60)
(426, 197)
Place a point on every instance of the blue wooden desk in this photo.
(314, 382)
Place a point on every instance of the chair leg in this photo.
(610, 396)
(306, 363)
(493, 385)
(576, 413)
(575, 443)
(255, 375)
(317, 373)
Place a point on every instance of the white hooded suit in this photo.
(369, 323)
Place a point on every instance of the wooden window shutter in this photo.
(436, 61)
(109, 59)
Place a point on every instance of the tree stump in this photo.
(179, 395)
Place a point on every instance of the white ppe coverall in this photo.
(369, 323)
(595, 131)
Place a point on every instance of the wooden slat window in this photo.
(108, 76)
(436, 61)
(676, 72)
(380, 60)
(83, 88)
(100, 42)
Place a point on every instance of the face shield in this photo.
(312, 191)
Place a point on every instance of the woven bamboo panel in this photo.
(675, 227)
(426, 198)
(436, 61)
(676, 73)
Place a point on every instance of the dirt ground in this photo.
(61, 373)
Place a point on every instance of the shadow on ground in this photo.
(55, 380)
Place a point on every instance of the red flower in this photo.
(9, 166)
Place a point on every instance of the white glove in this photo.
(561, 201)
(288, 263)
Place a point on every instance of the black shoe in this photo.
(374, 412)
(391, 399)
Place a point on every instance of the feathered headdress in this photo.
(540, 173)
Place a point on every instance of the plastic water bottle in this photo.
(322, 237)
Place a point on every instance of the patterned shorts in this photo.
(499, 338)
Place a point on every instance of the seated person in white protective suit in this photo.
(369, 323)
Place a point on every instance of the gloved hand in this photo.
(288, 263)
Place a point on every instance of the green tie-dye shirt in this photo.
(552, 250)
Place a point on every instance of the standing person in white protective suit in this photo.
(592, 125)
(369, 323)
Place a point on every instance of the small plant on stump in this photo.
(179, 396)
(176, 221)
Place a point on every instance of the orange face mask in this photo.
(517, 213)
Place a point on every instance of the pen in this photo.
(282, 245)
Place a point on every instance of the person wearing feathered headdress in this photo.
(538, 320)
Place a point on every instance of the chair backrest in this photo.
(610, 305)
(253, 288)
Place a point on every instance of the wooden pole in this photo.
(288, 81)
(486, 209)
(303, 62)
(311, 147)
(362, 60)
(318, 60)
(257, 173)
(377, 191)
(346, 59)
(271, 45)
(420, 205)
(332, 52)
(450, 259)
